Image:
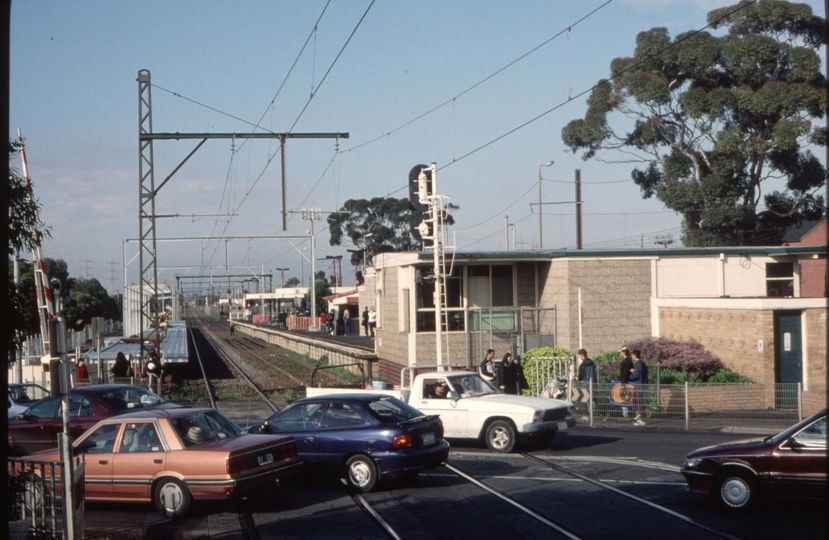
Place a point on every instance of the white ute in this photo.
(473, 409)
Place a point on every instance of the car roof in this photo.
(160, 413)
(343, 397)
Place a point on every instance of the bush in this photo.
(729, 377)
(681, 356)
(545, 352)
(666, 376)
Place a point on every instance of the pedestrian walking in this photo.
(639, 378)
(365, 321)
(587, 369)
(625, 369)
(153, 369)
(232, 328)
(505, 377)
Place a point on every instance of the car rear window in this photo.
(124, 399)
(204, 427)
(391, 410)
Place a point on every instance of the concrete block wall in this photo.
(731, 334)
(815, 347)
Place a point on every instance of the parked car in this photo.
(171, 457)
(37, 427)
(24, 395)
(368, 437)
(791, 464)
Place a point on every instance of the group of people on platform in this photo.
(506, 375)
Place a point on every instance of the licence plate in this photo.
(562, 425)
(428, 438)
(264, 460)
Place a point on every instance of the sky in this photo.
(481, 88)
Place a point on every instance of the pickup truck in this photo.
(471, 408)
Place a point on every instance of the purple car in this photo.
(791, 464)
(369, 437)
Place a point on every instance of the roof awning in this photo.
(350, 298)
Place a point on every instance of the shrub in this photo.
(545, 352)
(666, 376)
(683, 356)
(729, 377)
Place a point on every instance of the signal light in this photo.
(402, 441)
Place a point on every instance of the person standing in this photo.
(232, 328)
(81, 372)
(346, 326)
(121, 366)
(365, 320)
(506, 375)
(372, 320)
(625, 368)
(153, 368)
(639, 378)
(488, 368)
(587, 369)
(518, 375)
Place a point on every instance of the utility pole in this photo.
(540, 233)
(578, 209)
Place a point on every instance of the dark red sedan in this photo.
(37, 428)
(791, 464)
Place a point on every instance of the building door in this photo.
(790, 357)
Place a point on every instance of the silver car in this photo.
(23, 395)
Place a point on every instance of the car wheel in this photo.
(172, 498)
(361, 473)
(736, 490)
(500, 437)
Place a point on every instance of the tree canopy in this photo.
(713, 120)
(24, 210)
(379, 225)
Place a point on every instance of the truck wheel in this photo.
(172, 498)
(736, 491)
(361, 473)
(500, 437)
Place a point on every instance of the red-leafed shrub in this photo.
(685, 356)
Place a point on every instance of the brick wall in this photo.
(731, 334)
(815, 349)
(615, 300)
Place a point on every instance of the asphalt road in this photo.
(440, 504)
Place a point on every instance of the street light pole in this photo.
(282, 270)
(540, 236)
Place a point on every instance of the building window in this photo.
(780, 279)
(425, 300)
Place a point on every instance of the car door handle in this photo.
(309, 439)
(159, 461)
(102, 462)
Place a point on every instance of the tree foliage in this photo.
(712, 119)
(379, 225)
(24, 210)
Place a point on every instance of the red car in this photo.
(37, 428)
(171, 457)
(736, 474)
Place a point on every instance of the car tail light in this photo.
(402, 441)
(440, 432)
(235, 464)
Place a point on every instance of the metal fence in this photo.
(684, 406)
(35, 497)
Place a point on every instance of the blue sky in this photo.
(74, 95)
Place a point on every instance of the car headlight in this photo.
(691, 463)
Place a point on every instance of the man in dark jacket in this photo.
(587, 369)
(639, 378)
(625, 369)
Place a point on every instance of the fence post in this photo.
(590, 399)
(687, 407)
(799, 401)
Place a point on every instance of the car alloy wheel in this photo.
(500, 437)
(172, 498)
(361, 472)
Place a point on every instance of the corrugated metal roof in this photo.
(174, 345)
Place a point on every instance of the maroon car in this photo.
(37, 428)
(736, 474)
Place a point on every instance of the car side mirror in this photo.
(453, 395)
(266, 428)
(23, 416)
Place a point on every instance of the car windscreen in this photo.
(390, 410)
(471, 385)
(204, 427)
(130, 398)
